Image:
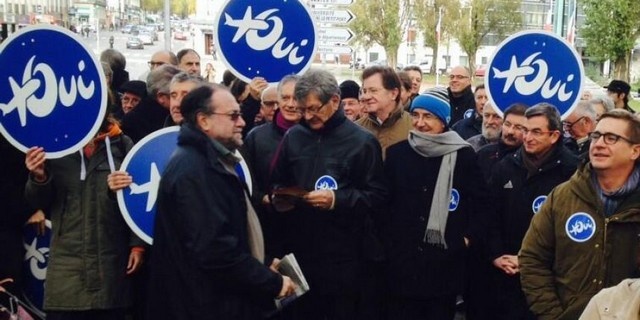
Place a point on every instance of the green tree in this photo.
(483, 17)
(611, 28)
(152, 5)
(426, 13)
(183, 8)
(382, 22)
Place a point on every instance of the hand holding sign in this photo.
(34, 161)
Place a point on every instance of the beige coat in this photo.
(393, 130)
(619, 302)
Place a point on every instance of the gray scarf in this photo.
(254, 229)
(430, 146)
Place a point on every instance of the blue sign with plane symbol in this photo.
(268, 39)
(531, 67)
(53, 91)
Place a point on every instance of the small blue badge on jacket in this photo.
(537, 203)
(580, 227)
(326, 182)
(454, 200)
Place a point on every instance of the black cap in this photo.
(349, 89)
(619, 86)
(136, 87)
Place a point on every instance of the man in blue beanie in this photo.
(435, 207)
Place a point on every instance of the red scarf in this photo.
(112, 131)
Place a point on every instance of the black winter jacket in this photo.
(418, 270)
(516, 195)
(201, 266)
(459, 105)
(491, 154)
(329, 244)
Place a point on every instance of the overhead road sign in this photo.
(334, 35)
(334, 50)
(333, 16)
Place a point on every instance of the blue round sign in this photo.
(326, 182)
(580, 227)
(537, 203)
(53, 91)
(454, 200)
(145, 163)
(269, 38)
(531, 67)
(36, 260)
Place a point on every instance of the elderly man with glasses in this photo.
(328, 176)
(209, 260)
(585, 237)
(520, 184)
(579, 124)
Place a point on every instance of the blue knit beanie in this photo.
(436, 101)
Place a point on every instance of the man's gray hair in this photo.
(548, 111)
(267, 89)
(605, 101)
(319, 82)
(159, 79)
(183, 77)
(585, 109)
(114, 58)
(286, 79)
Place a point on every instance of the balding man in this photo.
(159, 58)
(460, 93)
(579, 124)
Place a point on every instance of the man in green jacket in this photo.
(586, 235)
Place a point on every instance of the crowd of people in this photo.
(397, 203)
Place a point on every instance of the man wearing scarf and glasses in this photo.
(435, 204)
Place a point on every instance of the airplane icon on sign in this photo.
(247, 22)
(151, 187)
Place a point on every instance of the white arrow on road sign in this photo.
(331, 2)
(332, 16)
(334, 35)
(334, 50)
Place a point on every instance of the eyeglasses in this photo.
(269, 104)
(235, 115)
(127, 99)
(516, 127)
(536, 133)
(569, 125)
(457, 77)
(305, 110)
(155, 63)
(607, 137)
